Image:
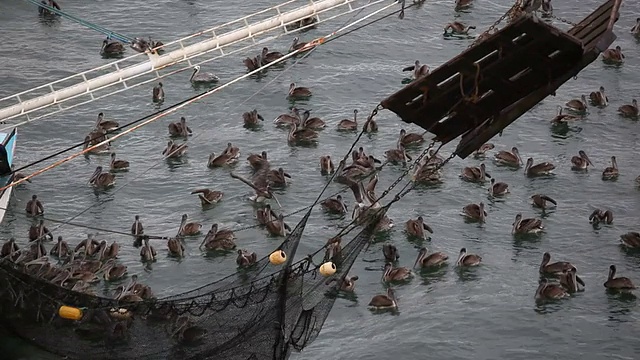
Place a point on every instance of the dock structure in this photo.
(487, 87)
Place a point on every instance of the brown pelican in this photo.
(540, 201)
(111, 48)
(260, 185)
(102, 179)
(555, 268)
(397, 155)
(176, 247)
(635, 29)
(174, 150)
(599, 216)
(524, 226)
(298, 92)
(580, 162)
(384, 301)
(390, 252)
(276, 226)
(461, 4)
(547, 8)
(60, 249)
(268, 57)
(629, 110)
(90, 245)
(287, 119)
(158, 93)
(417, 227)
(544, 168)
(395, 273)
(118, 165)
(549, 291)
(512, 158)
(611, 172)
(147, 252)
(208, 197)
(296, 45)
(219, 239)
(348, 283)
(246, 258)
(9, 248)
(465, 259)
(630, 240)
(431, 260)
(301, 135)
(618, 283)
(561, 118)
(278, 177)
(34, 206)
(370, 125)
(482, 151)
(258, 161)
(223, 159)
(113, 271)
(106, 125)
(326, 165)
(253, 64)
(136, 227)
(578, 105)
(408, 139)
(475, 174)
(314, 123)
(89, 141)
(418, 70)
(498, 188)
(179, 129)
(458, 28)
(252, 118)
(475, 212)
(334, 205)
(569, 280)
(39, 232)
(188, 229)
(202, 78)
(598, 98)
(613, 56)
(347, 124)
(333, 249)
(108, 252)
(265, 215)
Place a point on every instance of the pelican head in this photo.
(516, 223)
(461, 256)
(585, 157)
(421, 255)
(95, 174)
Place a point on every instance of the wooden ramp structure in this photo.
(484, 89)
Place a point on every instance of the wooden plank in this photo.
(472, 141)
(582, 28)
(592, 39)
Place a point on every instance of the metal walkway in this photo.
(143, 68)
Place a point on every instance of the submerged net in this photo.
(262, 312)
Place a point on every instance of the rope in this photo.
(109, 33)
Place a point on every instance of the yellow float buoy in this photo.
(70, 313)
(278, 257)
(328, 269)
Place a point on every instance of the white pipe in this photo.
(156, 62)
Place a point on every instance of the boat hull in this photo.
(9, 142)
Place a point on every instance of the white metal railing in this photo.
(86, 84)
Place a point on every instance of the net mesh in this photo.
(262, 312)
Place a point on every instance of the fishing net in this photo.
(263, 312)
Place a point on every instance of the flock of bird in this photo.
(93, 260)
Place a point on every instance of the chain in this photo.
(563, 20)
(404, 173)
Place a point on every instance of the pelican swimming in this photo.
(561, 118)
(113, 271)
(246, 258)
(426, 260)
(102, 179)
(465, 259)
(458, 28)
(334, 205)
(276, 225)
(158, 93)
(218, 239)
(301, 135)
(174, 150)
(252, 118)
(268, 57)
(202, 78)
(348, 283)
(278, 178)
(512, 158)
(581, 161)
(101, 149)
(547, 290)
(118, 165)
(630, 240)
(547, 8)
(147, 252)
(475, 212)
(370, 125)
(208, 197)
(543, 168)
(179, 129)
(418, 70)
(611, 172)
(136, 227)
(475, 174)
(569, 280)
(260, 185)
(498, 188)
(613, 56)
(223, 159)
(556, 268)
(111, 48)
(188, 229)
(598, 98)
(392, 273)
(347, 124)
(461, 4)
(265, 215)
(287, 119)
(298, 92)
(253, 64)
(9, 248)
(296, 44)
(417, 227)
(326, 165)
(397, 155)
(314, 123)
(578, 105)
(630, 111)
(34, 206)
(482, 151)
(39, 231)
(258, 161)
(60, 249)
(540, 201)
(599, 216)
(525, 226)
(390, 252)
(106, 125)
(635, 29)
(618, 283)
(384, 301)
(408, 139)
(176, 247)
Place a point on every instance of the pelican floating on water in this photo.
(611, 172)
(102, 179)
(543, 168)
(512, 158)
(202, 78)
(580, 162)
(598, 216)
(618, 283)
(526, 226)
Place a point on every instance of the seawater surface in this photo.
(485, 313)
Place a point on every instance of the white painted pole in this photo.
(157, 62)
